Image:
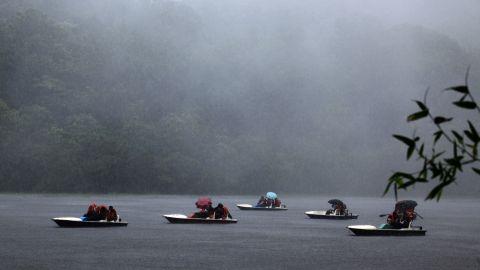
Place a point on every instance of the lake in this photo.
(260, 240)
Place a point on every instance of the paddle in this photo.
(418, 215)
(384, 215)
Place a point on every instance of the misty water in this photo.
(260, 240)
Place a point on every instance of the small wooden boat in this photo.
(77, 222)
(179, 218)
(369, 230)
(251, 207)
(324, 215)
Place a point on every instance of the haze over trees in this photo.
(217, 96)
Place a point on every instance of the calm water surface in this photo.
(260, 240)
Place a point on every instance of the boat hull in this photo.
(368, 230)
(251, 207)
(182, 219)
(323, 215)
(76, 222)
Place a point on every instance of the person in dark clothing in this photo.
(399, 219)
(200, 214)
(262, 202)
(204, 212)
(222, 212)
(210, 211)
(277, 203)
(92, 213)
(112, 214)
(102, 212)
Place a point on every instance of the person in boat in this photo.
(337, 209)
(395, 220)
(102, 212)
(206, 212)
(262, 202)
(222, 212)
(399, 218)
(410, 215)
(340, 209)
(277, 202)
(92, 213)
(112, 214)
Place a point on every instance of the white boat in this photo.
(325, 215)
(245, 206)
(78, 222)
(180, 218)
(370, 230)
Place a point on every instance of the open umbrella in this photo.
(271, 195)
(203, 202)
(405, 204)
(334, 202)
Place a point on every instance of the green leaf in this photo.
(460, 88)
(455, 147)
(440, 119)
(437, 155)
(459, 138)
(387, 188)
(466, 104)
(420, 151)
(474, 132)
(437, 191)
(410, 151)
(475, 150)
(471, 136)
(421, 105)
(407, 184)
(397, 179)
(437, 136)
(476, 170)
(421, 180)
(424, 172)
(409, 142)
(435, 171)
(455, 162)
(417, 115)
(398, 176)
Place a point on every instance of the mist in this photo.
(226, 97)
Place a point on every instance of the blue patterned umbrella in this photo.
(271, 195)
